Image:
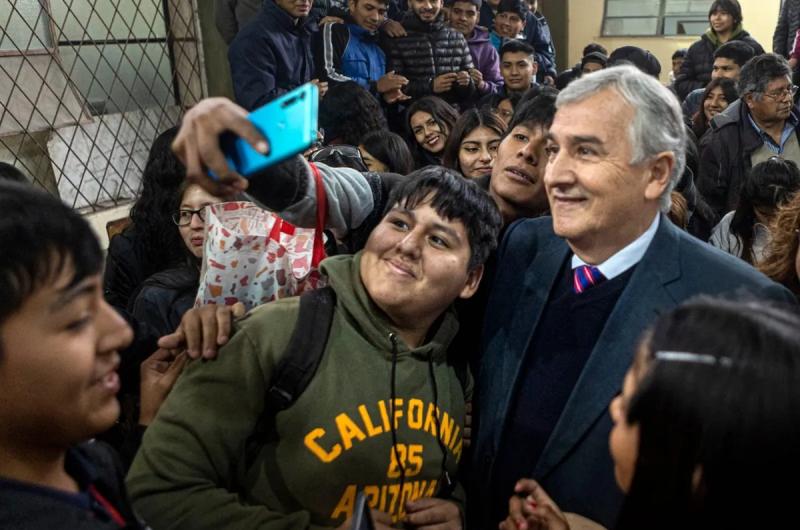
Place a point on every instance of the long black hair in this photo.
(766, 187)
(700, 123)
(442, 113)
(466, 123)
(718, 409)
(391, 149)
(348, 112)
(161, 247)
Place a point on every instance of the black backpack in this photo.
(299, 363)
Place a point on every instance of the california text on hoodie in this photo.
(334, 441)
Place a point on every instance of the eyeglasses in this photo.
(779, 95)
(184, 217)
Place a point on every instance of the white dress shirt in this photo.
(625, 258)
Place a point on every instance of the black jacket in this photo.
(164, 298)
(696, 70)
(726, 160)
(428, 50)
(93, 466)
(128, 264)
(785, 30)
(271, 56)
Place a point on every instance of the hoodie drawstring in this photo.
(446, 484)
(393, 338)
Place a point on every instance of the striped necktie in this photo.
(586, 277)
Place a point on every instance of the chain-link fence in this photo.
(86, 85)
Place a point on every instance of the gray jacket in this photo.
(289, 189)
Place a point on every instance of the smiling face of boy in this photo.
(58, 379)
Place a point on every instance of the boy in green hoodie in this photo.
(383, 413)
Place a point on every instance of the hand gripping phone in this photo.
(289, 123)
(362, 518)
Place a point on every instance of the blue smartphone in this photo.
(289, 123)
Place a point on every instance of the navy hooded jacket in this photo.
(271, 56)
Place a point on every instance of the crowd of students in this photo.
(554, 300)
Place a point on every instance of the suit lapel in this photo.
(643, 299)
(539, 281)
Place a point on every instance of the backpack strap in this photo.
(297, 365)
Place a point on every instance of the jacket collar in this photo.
(479, 34)
(649, 293)
(344, 276)
(273, 11)
(412, 22)
(713, 38)
(737, 114)
(358, 31)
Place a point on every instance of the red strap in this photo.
(275, 233)
(108, 507)
(322, 215)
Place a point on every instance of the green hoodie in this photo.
(335, 440)
(714, 38)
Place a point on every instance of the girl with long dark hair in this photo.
(384, 151)
(719, 93)
(472, 145)
(429, 121)
(744, 232)
(146, 247)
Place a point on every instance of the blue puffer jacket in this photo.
(270, 56)
(348, 52)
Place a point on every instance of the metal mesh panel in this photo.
(86, 85)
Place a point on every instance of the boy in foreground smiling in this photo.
(59, 343)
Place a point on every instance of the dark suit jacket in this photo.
(271, 56)
(575, 467)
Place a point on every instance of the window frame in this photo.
(45, 6)
(660, 21)
(167, 40)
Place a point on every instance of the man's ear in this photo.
(660, 170)
(748, 100)
(472, 283)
